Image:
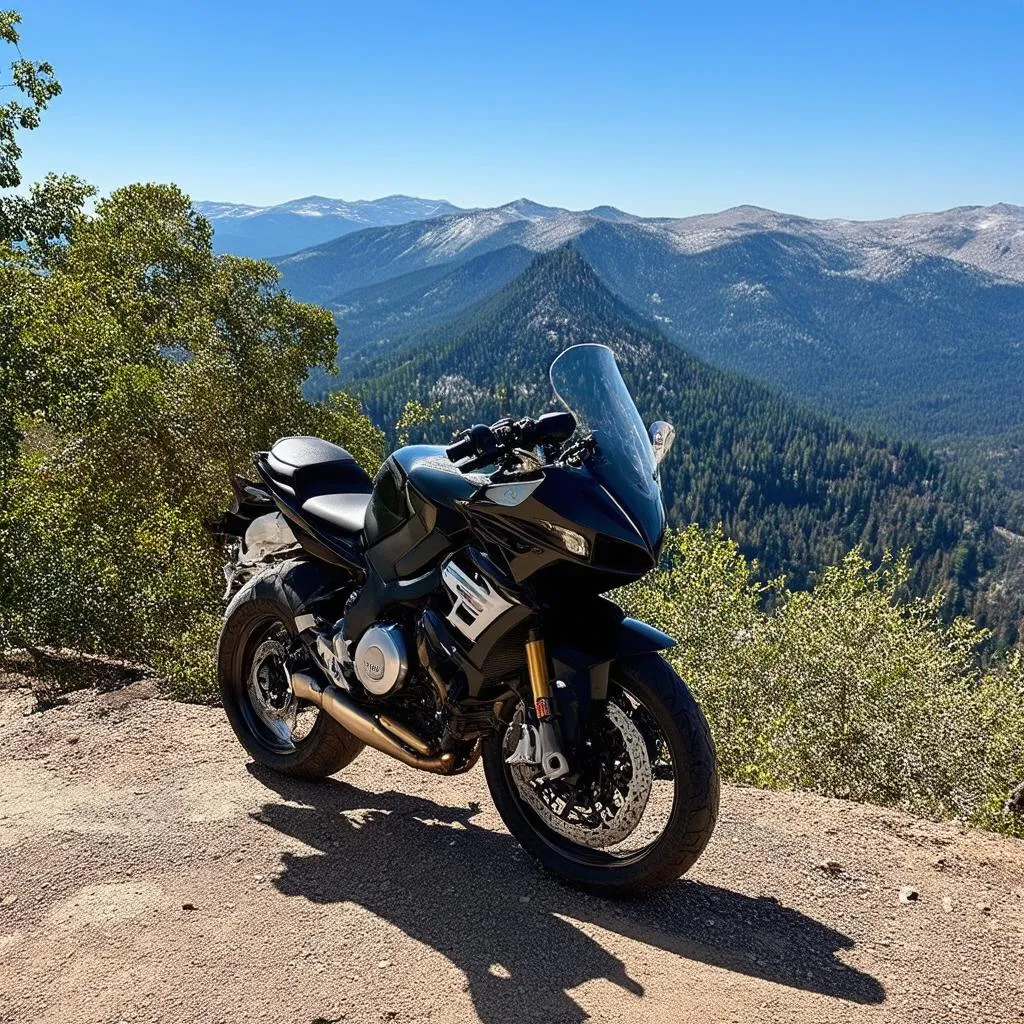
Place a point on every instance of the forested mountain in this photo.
(860, 319)
(796, 489)
(262, 231)
(384, 317)
(921, 346)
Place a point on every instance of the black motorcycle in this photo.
(449, 610)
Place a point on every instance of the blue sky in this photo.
(828, 109)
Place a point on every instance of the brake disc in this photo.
(269, 693)
(606, 820)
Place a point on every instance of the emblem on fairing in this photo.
(510, 495)
(476, 604)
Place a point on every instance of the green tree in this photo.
(138, 370)
(160, 367)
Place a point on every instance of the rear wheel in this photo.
(642, 804)
(291, 736)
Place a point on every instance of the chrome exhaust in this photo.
(368, 728)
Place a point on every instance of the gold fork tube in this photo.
(537, 667)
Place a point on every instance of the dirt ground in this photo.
(149, 872)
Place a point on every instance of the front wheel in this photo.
(642, 803)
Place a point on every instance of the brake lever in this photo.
(475, 463)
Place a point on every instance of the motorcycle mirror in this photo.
(662, 435)
(555, 427)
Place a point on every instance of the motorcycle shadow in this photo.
(460, 889)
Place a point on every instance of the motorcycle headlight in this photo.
(573, 542)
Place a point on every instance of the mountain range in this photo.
(752, 331)
(914, 325)
(264, 231)
(795, 488)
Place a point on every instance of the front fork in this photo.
(540, 745)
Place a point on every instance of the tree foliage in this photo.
(151, 369)
(845, 688)
(137, 371)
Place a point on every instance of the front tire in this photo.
(258, 627)
(678, 721)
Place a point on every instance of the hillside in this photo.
(383, 317)
(795, 489)
(264, 231)
(324, 272)
(912, 326)
(921, 346)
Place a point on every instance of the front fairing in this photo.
(645, 511)
(572, 498)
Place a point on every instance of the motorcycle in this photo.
(451, 610)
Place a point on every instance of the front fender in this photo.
(636, 637)
(584, 645)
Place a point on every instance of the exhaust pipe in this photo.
(369, 729)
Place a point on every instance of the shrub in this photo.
(843, 689)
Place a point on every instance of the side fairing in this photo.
(413, 520)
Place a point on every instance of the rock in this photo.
(908, 894)
(188, 906)
(1015, 802)
(9, 901)
(72, 740)
(947, 904)
(383, 964)
(985, 908)
(830, 867)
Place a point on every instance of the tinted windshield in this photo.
(587, 381)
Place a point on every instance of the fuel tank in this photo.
(412, 521)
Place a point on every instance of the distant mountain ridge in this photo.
(862, 319)
(264, 231)
(796, 489)
(990, 238)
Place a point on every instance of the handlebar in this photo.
(481, 445)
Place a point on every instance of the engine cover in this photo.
(380, 660)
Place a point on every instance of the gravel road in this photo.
(149, 872)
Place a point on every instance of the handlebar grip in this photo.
(478, 442)
(460, 449)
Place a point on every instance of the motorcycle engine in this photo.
(380, 661)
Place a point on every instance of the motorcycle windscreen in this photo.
(587, 381)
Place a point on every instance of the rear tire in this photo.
(665, 696)
(256, 613)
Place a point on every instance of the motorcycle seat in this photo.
(345, 512)
(322, 479)
(292, 456)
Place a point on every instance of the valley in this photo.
(834, 383)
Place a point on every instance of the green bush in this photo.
(843, 689)
(188, 667)
(149, 370)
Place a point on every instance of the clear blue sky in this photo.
(857, 109)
